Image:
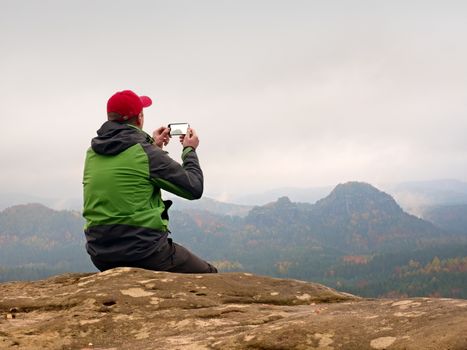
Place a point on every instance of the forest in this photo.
(357, 240)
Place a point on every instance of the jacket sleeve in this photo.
(184, 180)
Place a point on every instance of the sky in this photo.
(281, 93)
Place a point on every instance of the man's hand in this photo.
(161, 136)
(190, 139)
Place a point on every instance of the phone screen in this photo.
(178, 128)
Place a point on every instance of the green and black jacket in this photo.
(126, 218)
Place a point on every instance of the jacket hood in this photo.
(113, 138)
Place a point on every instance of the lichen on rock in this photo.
(129, 308)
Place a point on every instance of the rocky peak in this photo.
(358, 197)
(138, 309)
(283, 201)
(276, 214)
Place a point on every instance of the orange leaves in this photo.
(355, 259)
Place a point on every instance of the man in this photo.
(124, 172)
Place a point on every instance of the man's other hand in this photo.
(161, 136)
(190, 139)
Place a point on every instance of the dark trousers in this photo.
(174, 258)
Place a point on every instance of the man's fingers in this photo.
(191, 133)
(162, 131)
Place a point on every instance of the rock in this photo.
(138, 309)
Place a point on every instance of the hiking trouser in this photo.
(174, 258)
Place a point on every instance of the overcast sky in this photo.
(282, 93)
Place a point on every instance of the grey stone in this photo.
(138, 309)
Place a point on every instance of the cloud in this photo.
(281, 94)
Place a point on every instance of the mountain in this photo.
(446, 191)
(308, 195)
(355, 218)
(210, 205)
(12, 199)
(413, 196)
(36, 241)
(361, 218)
(357, 239)
(24, 223)
(417, 196)
(451, 218)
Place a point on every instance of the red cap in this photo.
(127, 103)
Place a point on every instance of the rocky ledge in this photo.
(137, 309)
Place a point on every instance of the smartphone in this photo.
(178, 128)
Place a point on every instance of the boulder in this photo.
(128, 308)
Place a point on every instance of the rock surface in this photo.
(137, 309)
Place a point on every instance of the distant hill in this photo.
(354, 218)
(439, 191)
(358, 217)
(23, 222)
(13, 199)
(36, 241)
(451, 218)
(356, 239)
(210, 205)
(307, 195)
(418, 196)
(413, 196)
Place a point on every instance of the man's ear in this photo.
(140, 119)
